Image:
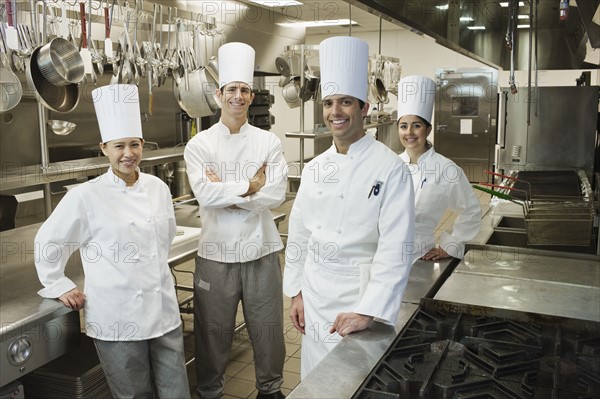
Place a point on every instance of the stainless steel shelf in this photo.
(15, 176)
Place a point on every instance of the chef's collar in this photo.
(225, 130)
(361, 144)
(120, 182)
(423, 157)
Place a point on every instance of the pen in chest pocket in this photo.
(375, 189)
(423, 182)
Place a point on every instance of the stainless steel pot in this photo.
(61, 99)
(10, 86)
(194, 101)
(291, 93)
(60, 62)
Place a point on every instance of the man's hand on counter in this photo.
(297, 312)
(435, 254)
(74, 299)
(345, 323)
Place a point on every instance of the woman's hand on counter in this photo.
(74, 299)
(345, 323)
(297, 312)
(435, 254)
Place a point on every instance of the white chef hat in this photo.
(344, 65)
(118, 111)
(416, 96)
(236, 63)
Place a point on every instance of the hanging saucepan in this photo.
(60, 62)
(10, 86)
(56, 98)
(210, 88)
(212, 67)
(291, 93)
(309, 88)
(193, 101)
(382, 94)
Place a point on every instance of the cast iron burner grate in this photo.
(461, 351)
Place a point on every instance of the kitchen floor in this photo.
(239, 376)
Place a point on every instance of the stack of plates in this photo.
(78, 374)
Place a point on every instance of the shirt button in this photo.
(149, 220)
(138, 294)
(341, 195)
(338, 230)
(351, 157)
(157, 289)
(319, 192)
(318, 227)
(123, 190)
(153, 256)
(131, 222)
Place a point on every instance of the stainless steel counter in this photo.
(342, 371)
(544, 282)
(19, 302)
(23, 313)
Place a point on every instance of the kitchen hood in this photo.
(568, 32)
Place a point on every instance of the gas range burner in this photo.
(452, 350)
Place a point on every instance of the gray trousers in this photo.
(218, 289)
(145, 369)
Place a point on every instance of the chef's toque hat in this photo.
(236, 63)
(344, 65)
(416, 96)
(118, 111)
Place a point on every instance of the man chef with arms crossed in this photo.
(351, 228)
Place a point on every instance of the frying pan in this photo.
(282, 66)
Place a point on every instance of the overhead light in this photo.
(442, 7)
(524, 26)
(465, 19)
(318, 24)
(476, 27)
(505, 4)
(276, 3)
(522, 16)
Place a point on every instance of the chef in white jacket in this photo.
(236, 171)
(439, 183)
(351, 227)
(123, 223)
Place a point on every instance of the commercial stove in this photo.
(451, 350)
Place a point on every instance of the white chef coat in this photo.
(340, 223)
(247, 231)
(123, 235)
(441, 184)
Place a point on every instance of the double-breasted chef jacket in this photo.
(123, 235)
(441, 184)
(349, 230)
(235, 158)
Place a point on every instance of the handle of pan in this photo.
(503, 196)
(83, 26)
(494, 193)
(489, 172)
(506, 188)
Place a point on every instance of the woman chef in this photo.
(438, 182)
(123, 223)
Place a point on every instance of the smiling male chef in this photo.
(237, 174)
(351, 228)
